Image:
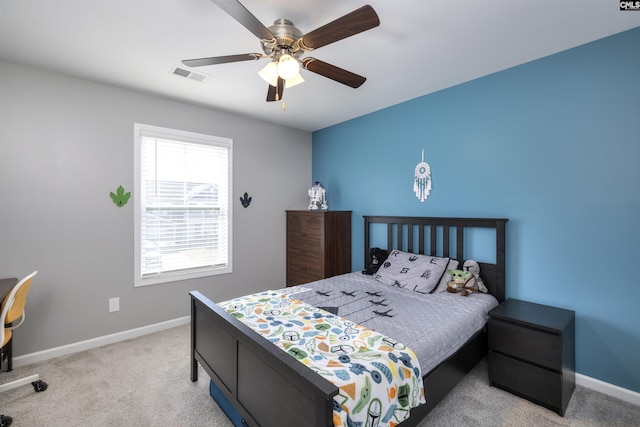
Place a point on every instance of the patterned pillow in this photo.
(420, 273)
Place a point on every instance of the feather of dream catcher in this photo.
(422, 181)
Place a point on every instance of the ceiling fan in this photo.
(284, 45)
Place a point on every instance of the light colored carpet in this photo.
(145, 382)
(474, 403)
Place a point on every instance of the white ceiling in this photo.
(420, 47)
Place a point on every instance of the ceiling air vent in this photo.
(183, 72)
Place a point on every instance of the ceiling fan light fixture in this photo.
(288, 67)
(270, 73)
(294, 81)
(284, 45)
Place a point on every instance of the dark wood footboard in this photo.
(264, 383)
(261, 381)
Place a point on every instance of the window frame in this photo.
(141, 131)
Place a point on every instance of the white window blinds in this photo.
(183, 210)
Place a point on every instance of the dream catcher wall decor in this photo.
(422, 181)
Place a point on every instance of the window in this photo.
(182, 205)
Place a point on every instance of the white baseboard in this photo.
(608, 389)
(40, 356)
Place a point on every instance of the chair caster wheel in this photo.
(39, 386)
(5, 420)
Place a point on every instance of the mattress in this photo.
(434, 325)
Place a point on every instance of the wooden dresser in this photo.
(532, 352)
(318, 245)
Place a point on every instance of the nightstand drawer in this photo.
(533, 345)
(531, 382)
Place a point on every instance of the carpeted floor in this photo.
(145, 382)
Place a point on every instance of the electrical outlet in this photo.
(114, 304)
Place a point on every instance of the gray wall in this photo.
(65, 143)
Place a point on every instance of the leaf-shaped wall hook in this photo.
(120, 198)
(246, 200)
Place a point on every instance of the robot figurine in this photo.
(317, 194)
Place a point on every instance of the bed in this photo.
(265, 385)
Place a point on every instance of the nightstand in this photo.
(532, 352)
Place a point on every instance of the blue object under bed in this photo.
(226, 407)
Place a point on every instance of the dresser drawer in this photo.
(305, 260)
(302, 272)
(531, 382)
(305, 242)
(296, 277)
(305, 224)
(533, 345)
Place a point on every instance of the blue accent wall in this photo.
(554, 146)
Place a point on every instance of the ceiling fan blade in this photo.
(359, 20)
(332, 72)
(199, 62)
(244, 17)
(275, 93)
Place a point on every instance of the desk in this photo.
(5, 287)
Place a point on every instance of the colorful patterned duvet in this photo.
(379, 379)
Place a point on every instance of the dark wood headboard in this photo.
(446, 238)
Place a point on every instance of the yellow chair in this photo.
(12, 315)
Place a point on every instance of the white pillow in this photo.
(420, 273)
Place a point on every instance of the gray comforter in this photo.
(434, 326)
